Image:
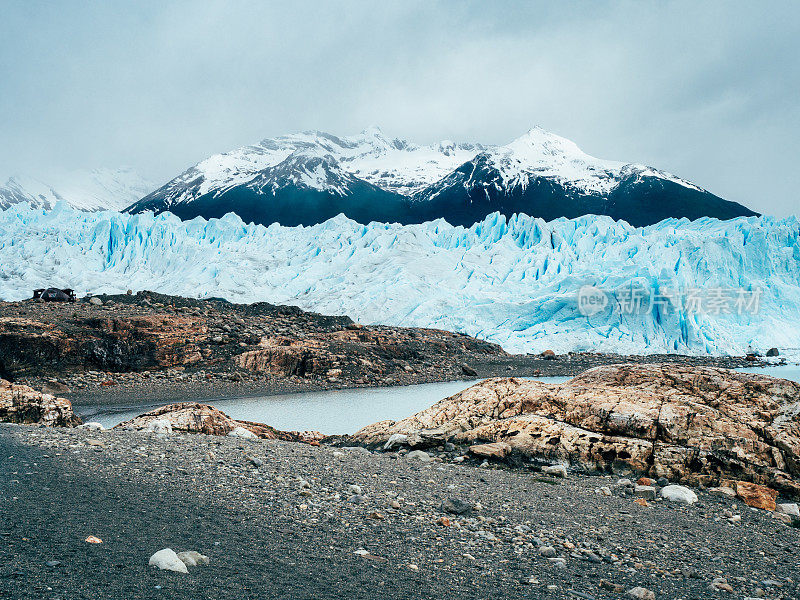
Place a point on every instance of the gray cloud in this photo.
(708, 92)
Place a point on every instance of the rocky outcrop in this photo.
(688, 424)
(359, 352)
(285, 357)
(192, 417)
(22, 404)
(30, 347)
(144, 332)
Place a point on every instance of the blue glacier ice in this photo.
(512, 281)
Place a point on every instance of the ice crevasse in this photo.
(513, 281)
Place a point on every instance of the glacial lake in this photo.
(342, 411)
(329, 412)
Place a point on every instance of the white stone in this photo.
(419, 455)
(192, 558)
(167, 560)
(159, 426)
(241, 432)
(555, 470)
(678, 493)
(92, 426)
(396, 439)
(641, 593)
(789, 509)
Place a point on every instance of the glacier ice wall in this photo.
(511, 281)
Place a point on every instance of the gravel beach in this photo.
(288, 520)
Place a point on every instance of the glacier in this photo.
(514, 281)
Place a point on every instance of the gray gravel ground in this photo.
(270, 535)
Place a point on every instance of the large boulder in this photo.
(23, 404)
(688, 424)
(193, 417)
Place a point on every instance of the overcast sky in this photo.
(709, 92)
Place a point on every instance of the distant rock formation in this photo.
(24, 405)
(361, 351)
(149, 332)
(689, 424)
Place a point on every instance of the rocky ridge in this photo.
(699, 425)
(106, 340)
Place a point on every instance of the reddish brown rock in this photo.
(22, 404)
(645, 481)
(757, 496)
(192, 417)
(285, 357)
(689, 424)
(32, 347)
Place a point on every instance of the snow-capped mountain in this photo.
(548, 176)
(99, 189)
(306, 178)
(513, 281)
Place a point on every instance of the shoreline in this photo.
(170, 390)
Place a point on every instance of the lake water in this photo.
(342, 411)
(330, 412)
(791, 372)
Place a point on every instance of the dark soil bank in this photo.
(281, 520)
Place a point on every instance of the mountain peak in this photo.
(539, 173)
(373, 131)
(545, 142)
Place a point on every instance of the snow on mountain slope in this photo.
(513, 281)
(402, 167)
(24, 189)
(540, 153)
(99, 189)
(103, 189)
(547, 176)
(393, 165)
(539, 174)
